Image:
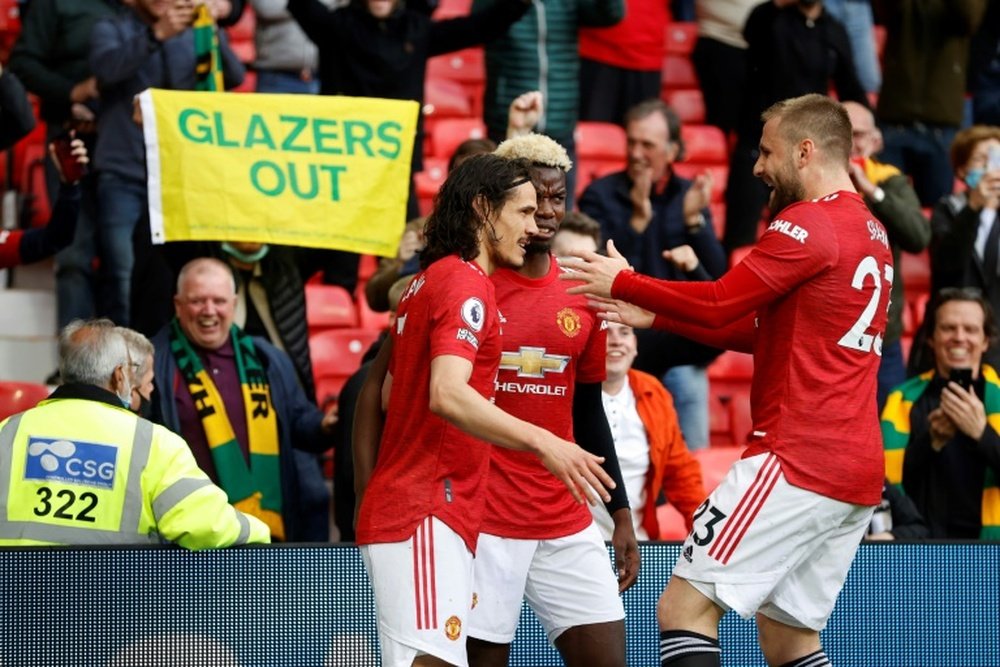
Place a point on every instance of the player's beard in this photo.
(538, 247)
(787, 190)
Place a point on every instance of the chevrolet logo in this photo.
(532, 362)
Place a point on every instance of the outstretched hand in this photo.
(596, 272)
(578, 469)
(622, 312)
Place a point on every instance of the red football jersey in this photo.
(818, 346)
(550, 341)
(426, 466)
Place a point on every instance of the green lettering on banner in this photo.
(257, 133)
(204, 132)
(319, 124)
(385, 136)
(279, 186)
(298, 124)
(334, 172)
(293, 180)
(220, 134)
(363, 137)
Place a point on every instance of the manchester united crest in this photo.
(453, 628)
(568, 321)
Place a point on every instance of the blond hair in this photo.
(539, 150)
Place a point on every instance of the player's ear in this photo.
(805, 150)
(481, 207)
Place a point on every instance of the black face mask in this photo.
(145, 407)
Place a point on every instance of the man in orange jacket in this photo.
(651, 449)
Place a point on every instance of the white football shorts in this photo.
(423, 594)
(762, 545)
(567, 581)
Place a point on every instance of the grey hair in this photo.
(90, 351)
(139, 349)
(202, 265)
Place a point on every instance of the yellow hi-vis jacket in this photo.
(77, 471)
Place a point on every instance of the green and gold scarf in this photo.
(896, 434)
(208, 59)
(254, 489)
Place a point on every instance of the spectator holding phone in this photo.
(27, 246)
(964, 235)
(942, 448)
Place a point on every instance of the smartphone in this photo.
(961, 376)
(993, 161)
(61, 151)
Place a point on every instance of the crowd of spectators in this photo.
(920, 80)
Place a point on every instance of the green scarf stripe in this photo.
(267, 478)
(909, 392)
(264, 472)
(231, 467)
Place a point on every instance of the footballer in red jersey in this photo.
(810, 301)
(537, 543)
(421, 503)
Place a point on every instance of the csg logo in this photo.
(69, 461)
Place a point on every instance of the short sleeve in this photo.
(462, 308)
(798, 244)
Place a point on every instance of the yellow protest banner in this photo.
(305, 170)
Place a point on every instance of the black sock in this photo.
(681, 648)
(817, 659)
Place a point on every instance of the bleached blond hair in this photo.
(537, 149)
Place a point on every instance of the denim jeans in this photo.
(923, 153)
(688, 385)
(121, 204)
(856, 15)
(276, 81)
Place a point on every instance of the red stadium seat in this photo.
(329, 307)
(368, 319)
(588, 170)
(916, 271)
(336, 355)
(244, 29)
(450, 132)
(715, 463)
(20, 396)
(731, 366)
(689, 103)
(671, 523)
(596, 141)
(705, 144)
(429, 181)
(719, 172)
(729, 412)
(680, 36)
(467, 68)
(447, 9)
(444, 99)
(249, 84)
(678, 72)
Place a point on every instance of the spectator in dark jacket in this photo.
(794, 48)
(379, 48)
(150, 47)
(51, 57)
